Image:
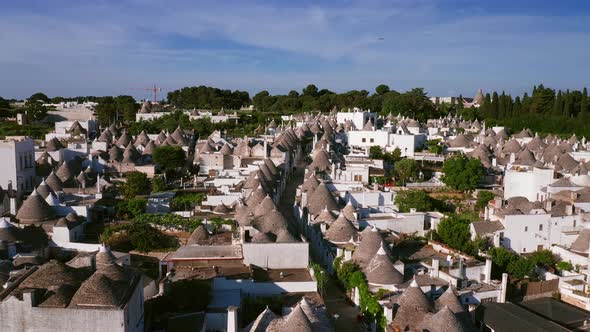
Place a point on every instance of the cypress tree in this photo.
(460, 103)
(526, 103)
(584, 105)
(567, 106)
(516, 108)
(558, 104)
(502, 106)
(495, 105)
(486, 106)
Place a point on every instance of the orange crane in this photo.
(153, 90)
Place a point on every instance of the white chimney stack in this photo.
(435, 268)
(502, 297)
(488, 271)
(232, 319)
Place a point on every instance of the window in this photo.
(358, 178)
(526, 228)
(372, 140)
(364, 140)
(540, 227)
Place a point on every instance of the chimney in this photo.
(232, 319)
(548, 205)
(488, 271)
(265, 149)
(569, 209)
(435, 268)
(573, 195)
(512, 158)
(494, 162)
(502, 296)
(498, 203)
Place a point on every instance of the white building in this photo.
(18, 163)
(358, 117)
(526, 181)
(390, 140)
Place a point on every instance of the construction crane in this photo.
(153, 90)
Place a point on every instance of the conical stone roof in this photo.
(321, 198)
(449, 299)
(54, 182)
(444, 320)
(34, 209)
(369, 245)
(380, 270)
(199, 236)
(64, 172)
(341, 230)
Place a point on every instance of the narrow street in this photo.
(334, 298)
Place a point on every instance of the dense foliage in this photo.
(137, 184)
(205, 97)
(544, 110)
(35, 110)
(454, 231)
(462, 173)
(376, 152)
(350, 276)
(139, 236)
(169, 158)
(406, 169)
(116, 109)
(184, 201)
(483, 198)
(413, 199)
(159, 184)
(169, 221)
(130, 208)
(520, 266)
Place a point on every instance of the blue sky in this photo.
(109, 47)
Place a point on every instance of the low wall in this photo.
(568, 256)
(251, 287)
(277, 255)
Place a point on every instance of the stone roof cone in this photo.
(34, 209)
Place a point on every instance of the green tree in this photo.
(310, 90)
(382, 89)
(159, 184)
(126, 106)
(39, 97)
(501, 258)
(413, 199)
(35, 110)
(375, 152)
(521, 267)
(454, 231)
(130, 208)
(583, 105)
(462, 173)
(393, 156)
(263, 101)
(4, 104)
(543, 258)
(483, 198)
(169, 158)
(137, 184)
(106, 111)
(406, 169)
